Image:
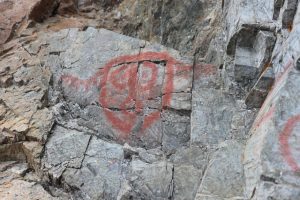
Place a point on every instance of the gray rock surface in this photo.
(88, 113)
(273, 166)
(124, 90)
(223, 178)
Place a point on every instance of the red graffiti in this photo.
(204, 70)
(264, 118)
(284, 137)
(274, 91)
(126, 82)
(287, 68)
(278, 82)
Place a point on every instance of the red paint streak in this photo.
(287, 69)
(183, 70)
(154, 74)
(202, 70)
(264, 118)
(278, 81)
(284, 142)
(267, 115)
(123, 125)
(150, 119)
(120, 74)
(77, 83)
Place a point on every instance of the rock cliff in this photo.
(135, 99)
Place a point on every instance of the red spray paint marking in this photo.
(269, 114)
(287, 69)
(124, 78)
(203, 70)
(284, 142)
(279, 79)
(264, 118)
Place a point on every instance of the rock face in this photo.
(124, 91)
(209, 112)
(270, 157)
(16, 15)
(275, 130)
(227, 160)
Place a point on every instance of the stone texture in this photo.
(151, 181)
(99, 175)
(290, 8)
(259, 92)
(223, 178)
(250, 62)
(275, 133)
(90, 78)
(15, 185)
(194, 22)
(87, 113)
(241, 13)
(65, 145)
(18, 189)
(216, 114)
(189, 166)
(107, 89)
(15, 15)
(211, 117)
(24, 112)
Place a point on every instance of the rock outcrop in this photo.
(177, 100)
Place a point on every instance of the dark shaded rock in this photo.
(42, 10)
(289, 14)
(259, 92)
(67, 7)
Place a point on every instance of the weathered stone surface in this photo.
(270, 159)
(24, 116)
(18, 189)
(14, 15)
(211, 116)
(99, 175)
(189, 166)
(253, 58)
(105, 116)
(15, 185)
(259, 92)
(272, 135)
(288, 14)
(186, 179)
(65, 145)
(33, 151)
(242, 12)
(67, 7)
(194, 22)
(223, 178)
(127, 111)
(175, 135)
(151, 181)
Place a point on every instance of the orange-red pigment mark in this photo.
(264, 118)
(204, 70)
(287, 69)
(273, 92)
(121, 74)
(284, 142)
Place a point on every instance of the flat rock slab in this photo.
(120, 84)
(224, 175)
(108, 89)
